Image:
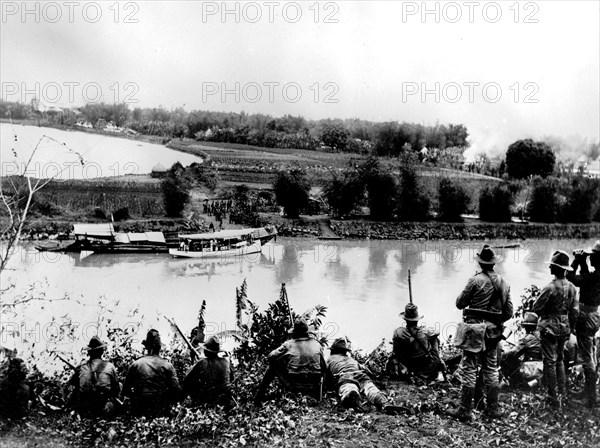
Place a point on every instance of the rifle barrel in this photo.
(410, 288)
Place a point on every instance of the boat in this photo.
(224, 243)
(102, 239)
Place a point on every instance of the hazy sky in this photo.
(483, 64)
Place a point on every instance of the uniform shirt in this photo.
(412, 343)
(152, 375)
(589, 285)
(299, 356)
(95, 382)
(557, 307)
(529, 346)
(209, 377)
(479, 294)
(343, 369)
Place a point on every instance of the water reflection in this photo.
(363, 283)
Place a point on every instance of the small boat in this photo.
(102, 239)
(225, 243)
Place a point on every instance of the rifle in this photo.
(183, 336)
(71, 366)
(287, 304)
(409, 288)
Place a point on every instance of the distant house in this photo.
(159, 171)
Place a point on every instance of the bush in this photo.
(581, 201)
(413, 203)
(381, 189)
(291, 191)
(544, 205)
(453, 200)
(121, 214)
(495, 203)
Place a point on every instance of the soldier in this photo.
(588, 322)
(416, 349)
(14, 391)
(557, 307)
(210, 379)
(487, 305)
(95, 382)
(351, 379)
(151, 381)
(298, 363)
(522, 363)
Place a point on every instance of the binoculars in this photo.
(579, 253)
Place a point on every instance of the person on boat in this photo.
(558, 308)
(416, 349)
(486, 305)
(15, 393)
(95, 384)
(211, 227)
(588, 322)
(151, 381)
(209, 381)
(523, 362)
(298, 363)
(351, 379)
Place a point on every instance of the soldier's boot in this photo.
(591, 392)
(351, 400)
(493, 406)
(463, 413)
(551, 384)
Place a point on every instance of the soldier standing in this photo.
(557, 307)
(487, 305)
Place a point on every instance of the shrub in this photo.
(121, 214)
(453, 200)
(581, 201)
(381, 187)
(291, 190)
(343, 193)
(544, 204)
(413, 203)
(495, 203)
(176, 190)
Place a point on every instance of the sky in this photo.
(506, 70)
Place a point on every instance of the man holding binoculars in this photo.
(588, 321)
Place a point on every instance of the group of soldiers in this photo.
(152, 387)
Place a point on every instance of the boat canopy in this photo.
(94, 230)
(144, 237)
(220, 235)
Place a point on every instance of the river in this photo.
(102, 155)
(363, 284)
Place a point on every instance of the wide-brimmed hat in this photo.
(152, 339)
(212, 345)
(95, 344)
(595, 249)
(530, 319)
(561, 259)
(300, 328)
(411, 313)
(487, 256)
(341, 344)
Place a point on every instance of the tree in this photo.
(176, 190)
(544, 203)
(526, 158)
(343, 193)
(581, 200)
(336, 136)
(453, 200)
(413, 203)
(291, 191)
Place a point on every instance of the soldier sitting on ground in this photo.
(151, 381)
(95, 382)
(350, 379)
(416, 349)
(298, 363)
(14, 391)
(523, 363)
(210, 379)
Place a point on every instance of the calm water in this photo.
(363, 283)
(103, 156)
